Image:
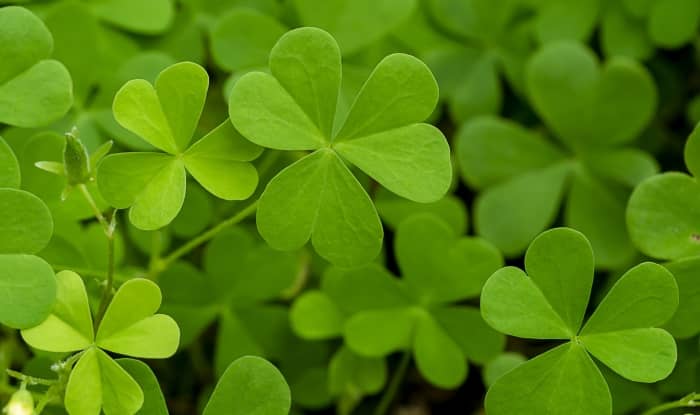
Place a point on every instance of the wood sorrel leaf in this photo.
(28, 290)
(98, 382)
(27, 44)
(562, 380)
(69, 326)
(130, 327)
(152, 17)
(684, 323)
(394, 210)
(26, 224)
(277, 111)
(673, 23)
(250, 386)
(437, 355)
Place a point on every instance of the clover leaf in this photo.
(27, 45)
(166, 115)
(129, 327)
(549, 302)
(319, 191)
(240, 300)
(593, 111)
(153, 400)
(416, 313)
(250, 386)
(26, 226)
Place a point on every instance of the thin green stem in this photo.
(193, 243)
(690, 400)
(31, 380)
(98, 214)
(393, 387)
(48, 396)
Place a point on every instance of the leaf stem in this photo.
(162, 264)
(394, 384)
(690, 400)
(30, 380)
(98, 214)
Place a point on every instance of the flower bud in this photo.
(21, 403)
(76, 160)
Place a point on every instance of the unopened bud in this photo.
(21, 403)
(76, 160)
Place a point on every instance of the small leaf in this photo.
(153, 402)
(438, 357)
(148, 18)
(563, 380)
(377, 333)
(673, 23)
(25, 222)
(28, 290)
(250, 386)
(9, 166)
(315, 316)
(130, 327)
(97, 381)
(69, 326)
(684, 322)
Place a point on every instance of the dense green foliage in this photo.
(261, 207)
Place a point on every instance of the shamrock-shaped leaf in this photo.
(549, 303)
(593, 111)
(128, 327)
(27, 45)
(415, 313)
(250, 386)
(362, 23)
(381, 134)
(153, 400)
(166, 116)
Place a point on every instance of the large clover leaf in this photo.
(27, 45)
(129, 327)
(593, 111)
(549, 302)
(418, 312)
(318, 197)
(166, 115)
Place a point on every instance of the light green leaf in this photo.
(304, 60)
(638, 165)
(266, 114)
(645, 296)
(355, 23)
(562, 381)
(348, 288)
(28, 290)
(412, 161)
(437, 265)
(69, 326)
(685, 323)
(181, 90)
(640, 355)
(152, 184)
(348, 371)
(149, 18)
(491, 150)
(25, 222)
(377, 333)
(27, 45)
(584, 104)
(527, 313)
(9, 166)
(219, 162)
(400, 91)
(98, 381)
(661, 219)
(437, 356)
(560, 262)
(250, 386)
(499, 366)
(512, 226)
(242, 39)
(395, 210)
(328, 205)
(559, 20)
(130, 327)
(153, 402)
(315, 316)
(479, 92)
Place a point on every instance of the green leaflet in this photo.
(621, 332)
(166, 115)
(129, 327)
(26, 224)
(276, 111)
(153, 400)
(250, 386)
(416, 313)
(27, 47)
(28, 290)
(9, 167)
